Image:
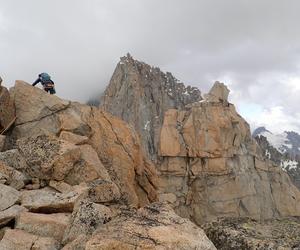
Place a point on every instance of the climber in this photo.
(47, 83)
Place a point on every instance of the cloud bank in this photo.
(253, 46)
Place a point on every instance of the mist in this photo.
(252, 46)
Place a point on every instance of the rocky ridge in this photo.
(75, 177)
(209, 165)
(140, 94)
(213, 168)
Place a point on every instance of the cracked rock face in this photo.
(153, 227)
(71, 142)
(213, 168)
(86, 218)
(205, 130)
(209, 164)
(18, 239)
(74, 176)
(7, 109)
(140, 94)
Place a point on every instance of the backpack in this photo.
(45, 77)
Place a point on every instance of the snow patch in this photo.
(279, 141)
(288, 165)
(186, 92)
(147, 127)
(268, 154)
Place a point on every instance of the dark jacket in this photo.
(48, 84)
(41, 81)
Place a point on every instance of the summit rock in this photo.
(140, 95)
(111, 150)
(218, 92)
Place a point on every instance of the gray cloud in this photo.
(254, 46)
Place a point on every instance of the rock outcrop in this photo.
(152, 227)
(209, 164)
(71, 172)
(9, 197)
(44, 225)
(100, 146)
(218, 93)
(76, 177)
(86, 218)
(7, 110)
(213, 168)
(18, 239)
(141, 94)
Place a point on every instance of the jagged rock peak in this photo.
(141, 94)
(218, 93)
(171, 84)
(259, 130)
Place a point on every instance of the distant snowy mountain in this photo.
(286, 142)
(283, 149)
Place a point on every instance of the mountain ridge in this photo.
(204, 141)
(74, 176)
(147, 92)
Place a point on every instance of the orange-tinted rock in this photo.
(8, 197)
(212, 166)
(153, 227)
(18, 239)
(114, 153)
(45, 225)
(86, 218)
(206, 130)
(7, 109)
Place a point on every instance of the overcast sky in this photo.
(251, 45)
